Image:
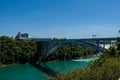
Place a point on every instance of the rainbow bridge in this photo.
(48, 45)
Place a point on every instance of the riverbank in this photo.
(105, 71)
(90, 56)
(5, 65)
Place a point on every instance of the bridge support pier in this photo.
(42, 46)
(110, 44)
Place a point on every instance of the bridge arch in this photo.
(56, 45)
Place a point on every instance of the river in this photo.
(42, 71)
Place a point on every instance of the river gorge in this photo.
(43, 71)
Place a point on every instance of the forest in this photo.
(14, 51)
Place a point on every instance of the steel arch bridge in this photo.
(49, 46)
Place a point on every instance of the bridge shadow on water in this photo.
(44, 68)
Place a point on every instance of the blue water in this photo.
(29, 72)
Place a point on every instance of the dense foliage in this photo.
(16, 51)
(107, 67)
(71, 51)
(23, 51)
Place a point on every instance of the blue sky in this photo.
(60, 18)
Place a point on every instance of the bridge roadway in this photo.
(83, 39)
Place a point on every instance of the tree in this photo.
(16, 51)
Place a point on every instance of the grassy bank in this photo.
(109, 70)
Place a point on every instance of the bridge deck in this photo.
(50, 39)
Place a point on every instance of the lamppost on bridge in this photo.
(119, 32)
(93, 36)
(95, 39)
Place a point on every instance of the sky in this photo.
(60, 18)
